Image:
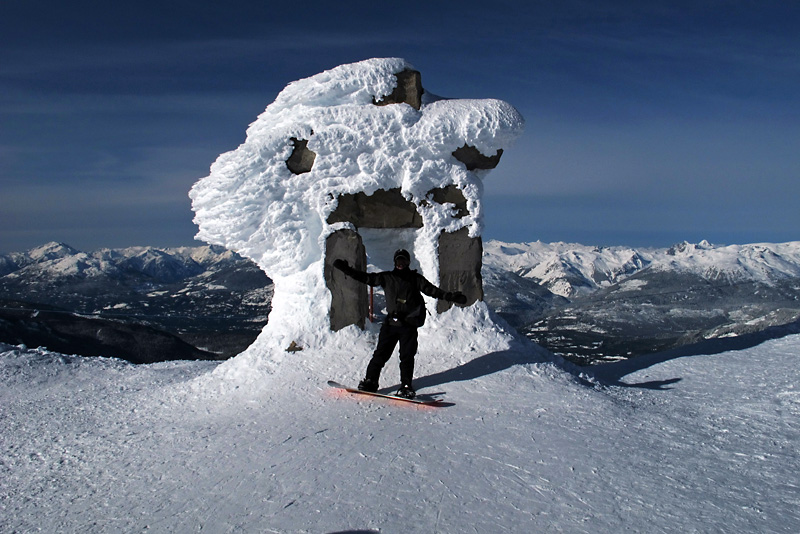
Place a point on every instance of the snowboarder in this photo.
(405, 314)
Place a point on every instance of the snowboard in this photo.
(419, 399)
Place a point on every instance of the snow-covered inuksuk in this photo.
(354, 163)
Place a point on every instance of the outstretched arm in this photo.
(371, 279)
(438, 293)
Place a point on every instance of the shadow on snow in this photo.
(481, 366)
(611, 373)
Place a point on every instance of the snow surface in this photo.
(253, 204)
(698, 443)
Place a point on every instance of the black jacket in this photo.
(403, 288)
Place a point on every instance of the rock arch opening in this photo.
(383, 222)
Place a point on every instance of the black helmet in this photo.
(402, 253)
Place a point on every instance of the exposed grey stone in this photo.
(409, 90)
(473, 159)
(382, 209)
(460, 260)
(302, 159)
(453, 195)
(349, 304)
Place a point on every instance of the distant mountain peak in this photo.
(688, 248)
(51, 251)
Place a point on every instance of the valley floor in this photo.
(703, 443)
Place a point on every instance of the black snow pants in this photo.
(388, 338)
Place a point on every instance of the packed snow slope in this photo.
(688, 442)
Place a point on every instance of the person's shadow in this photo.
(487, 364)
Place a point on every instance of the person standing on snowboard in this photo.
(406, 313)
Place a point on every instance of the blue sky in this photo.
(647, 123)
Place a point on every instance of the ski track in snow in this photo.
(98, 445)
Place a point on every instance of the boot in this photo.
(368, 385)
(406, 392)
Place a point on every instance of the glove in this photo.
(342, 265)
(456, 296)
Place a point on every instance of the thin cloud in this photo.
(27, 60)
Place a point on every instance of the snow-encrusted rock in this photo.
(253, 203)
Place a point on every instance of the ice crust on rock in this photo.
(253, 204)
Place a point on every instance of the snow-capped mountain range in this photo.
(586, 303)
(573, 270)
(617, 301)
(207, 296)
(55, 260)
